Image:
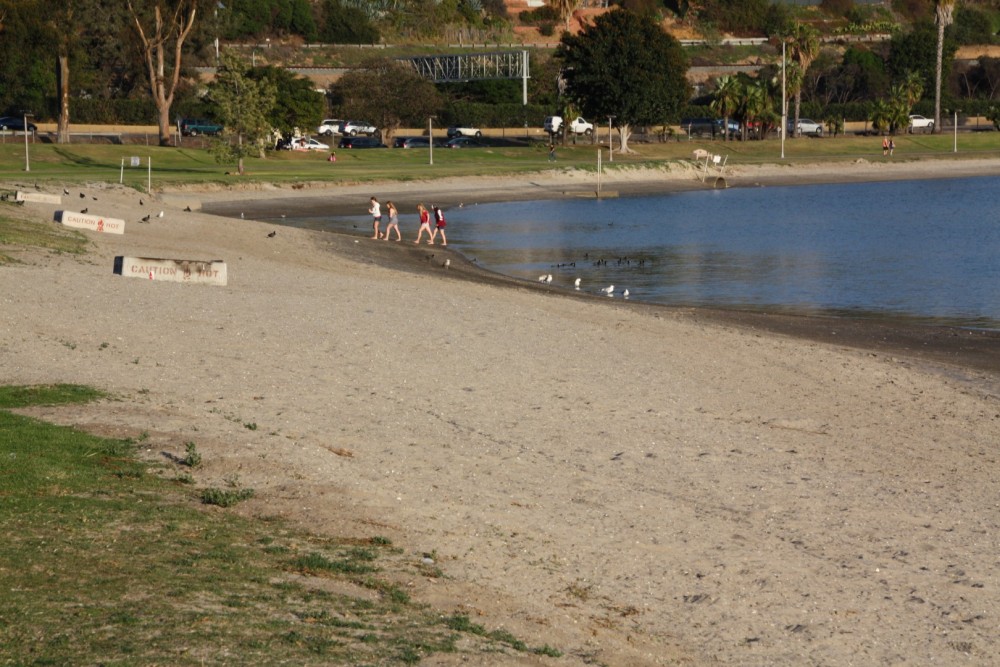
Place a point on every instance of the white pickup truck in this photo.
(577, 126)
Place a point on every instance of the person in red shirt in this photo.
(439, 229)
(425, 225)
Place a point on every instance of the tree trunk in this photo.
(798, 107)
(937, 77)
(62, 76)
(623, 134)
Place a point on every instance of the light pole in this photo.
(611, 141)
(430, 138)
(784, 102)
(955, 149)
(27, 162)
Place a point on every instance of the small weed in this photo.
(70, 345)
(378, 540)
(136, 361)
(192, 458)
(315, 563)
(225, 497)
(184, 478)
(103, 346)
(250, 426)
(143, 437)
(545, 649)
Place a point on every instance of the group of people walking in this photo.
(375, 209)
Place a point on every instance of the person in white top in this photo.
(376, 210)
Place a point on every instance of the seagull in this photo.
(187, 209)
(241, 216)
(625, 294)
(447, 263)
(272, 234)
(548, 278)
(541, 279)
(609, 290)
(145, 219)
(576, 283)
(160, 214)
(65, 191)
(94, 198)
(142, 203)
(84, 210)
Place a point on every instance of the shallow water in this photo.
(928, 251)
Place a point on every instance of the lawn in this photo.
(53, 165)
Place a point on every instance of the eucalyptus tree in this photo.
(943, 17)
(625, 68)
(162, 26)
(565, 9)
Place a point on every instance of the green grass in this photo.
(54, 165)
(105, 562)
(17, 231)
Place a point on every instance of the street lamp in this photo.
(27, 162)
(611, 141)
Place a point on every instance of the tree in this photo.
(565, 9)
(171, 25)
(386, 92)
(297, 104)
(726, 100)
(943, 17)
(346, 25)
(244, 106)
(625, 67)
(804, 46)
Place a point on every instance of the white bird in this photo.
(548, 278)
(447, 263)
(241, 216)
(609, 290)
(160, 214)
(576, 283)
(541, 279)
(625, 294)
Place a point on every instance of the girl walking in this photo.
(393, 221)
(439, 229)
(425, 225)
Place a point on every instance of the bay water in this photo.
(926, 251)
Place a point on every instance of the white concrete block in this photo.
(94, 223)
(173, 270)
(38, 197)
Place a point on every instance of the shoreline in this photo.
(634, 485)
(972, 349)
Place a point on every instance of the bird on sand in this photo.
(84, 210)
(548, 278)
(187, 209)
(160, 214)
(576, 283)
(541, 279)
(625, 294)
(145, 219)
(65, 191)
(272, 234)
(609, 290)
(83, 196)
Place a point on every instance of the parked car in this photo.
(329, 127)
(463, 131)
(806, 126)
(353, 128)
(463, 142)
(411, 142)
(308, 144)
(360, 142)
(192, 127)
(711, 126)
(16, 124)
(578, 125)
(918, 122)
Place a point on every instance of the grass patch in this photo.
(17, 231)
(104, 563)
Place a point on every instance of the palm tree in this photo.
(726, 100)
(804, 46)
(943, 17)
(565, 9)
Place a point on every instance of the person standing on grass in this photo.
(885, 146)
(425, 224)
(440, 225)
(376, 211)
(393, 222)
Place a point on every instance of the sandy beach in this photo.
(633, 485)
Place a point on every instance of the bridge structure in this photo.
(474, 67)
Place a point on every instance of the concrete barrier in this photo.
(38, 197)
(173, 270)
(94, 223)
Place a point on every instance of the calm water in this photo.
(926, 250)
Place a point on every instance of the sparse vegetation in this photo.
(142, 537)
